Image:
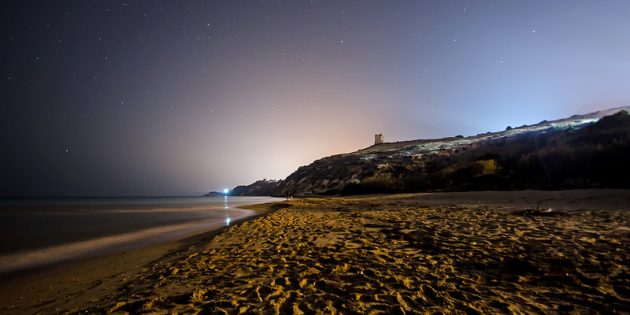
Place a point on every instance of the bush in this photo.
(484, 167)
(377, 184)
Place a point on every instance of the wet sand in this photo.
(71, 285)
(475, 252)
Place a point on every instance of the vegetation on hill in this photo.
(262, 187)
(564, 154)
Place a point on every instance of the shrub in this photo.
(484, 167)
(377, 184)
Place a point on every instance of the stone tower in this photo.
(378, 138)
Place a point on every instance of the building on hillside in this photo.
(378, 138)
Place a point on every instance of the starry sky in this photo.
(170, 97)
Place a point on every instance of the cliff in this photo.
(582, 151)
(259, 188)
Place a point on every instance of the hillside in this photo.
(582, 151)
(262, 187)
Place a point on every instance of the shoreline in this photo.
(389, 253)
(30, 290)
(48, 233)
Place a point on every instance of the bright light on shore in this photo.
(226, 191)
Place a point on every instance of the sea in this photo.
(36, 232)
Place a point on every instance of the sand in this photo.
(481, 252)
(82, 283)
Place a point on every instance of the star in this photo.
(67, 150)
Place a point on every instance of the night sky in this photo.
(183, 97)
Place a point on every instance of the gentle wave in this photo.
(110, 244)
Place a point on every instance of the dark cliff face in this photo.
(579, 152)
(259, 188)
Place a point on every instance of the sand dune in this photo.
(402, 254)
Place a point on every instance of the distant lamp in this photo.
(226, 191)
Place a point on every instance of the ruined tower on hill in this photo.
(378, 138)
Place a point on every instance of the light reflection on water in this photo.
(227, 214)
(41, 231)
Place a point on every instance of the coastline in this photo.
(472, 251)
(78, 282)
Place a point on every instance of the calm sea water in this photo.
(40, 231)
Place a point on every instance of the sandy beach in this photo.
(41, 232)
(477, 252)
